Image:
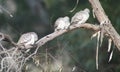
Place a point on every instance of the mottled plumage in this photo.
(27, 40)
(80, 17)
(62, 23)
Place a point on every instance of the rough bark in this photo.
(101, 16)
(53, 35)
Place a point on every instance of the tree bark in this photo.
(53, 35)
(101, 16)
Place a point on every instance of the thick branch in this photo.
(53, 35)
(101, 16)
(99, 11)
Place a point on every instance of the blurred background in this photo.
(70, 52)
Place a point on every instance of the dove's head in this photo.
(87, 10)
(66, 18)
(35, 35)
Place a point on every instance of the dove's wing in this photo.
(80, 17)
(35, 36)
(57, 22)
(31, 40)
(66, 22)
(77, 17)
(24, 38)
(60, 24)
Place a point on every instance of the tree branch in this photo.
(101, 16)
(99, 11)
(53, 35)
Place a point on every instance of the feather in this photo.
(80, 17)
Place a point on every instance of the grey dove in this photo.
(27, 40)
(62, 23)
(81, 16)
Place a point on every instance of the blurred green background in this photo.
(75, 48)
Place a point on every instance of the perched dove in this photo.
(80, 17)
(62, 23)
(27, 40)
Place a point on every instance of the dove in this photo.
(80, 17)
(27, 40)
(62, 23)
